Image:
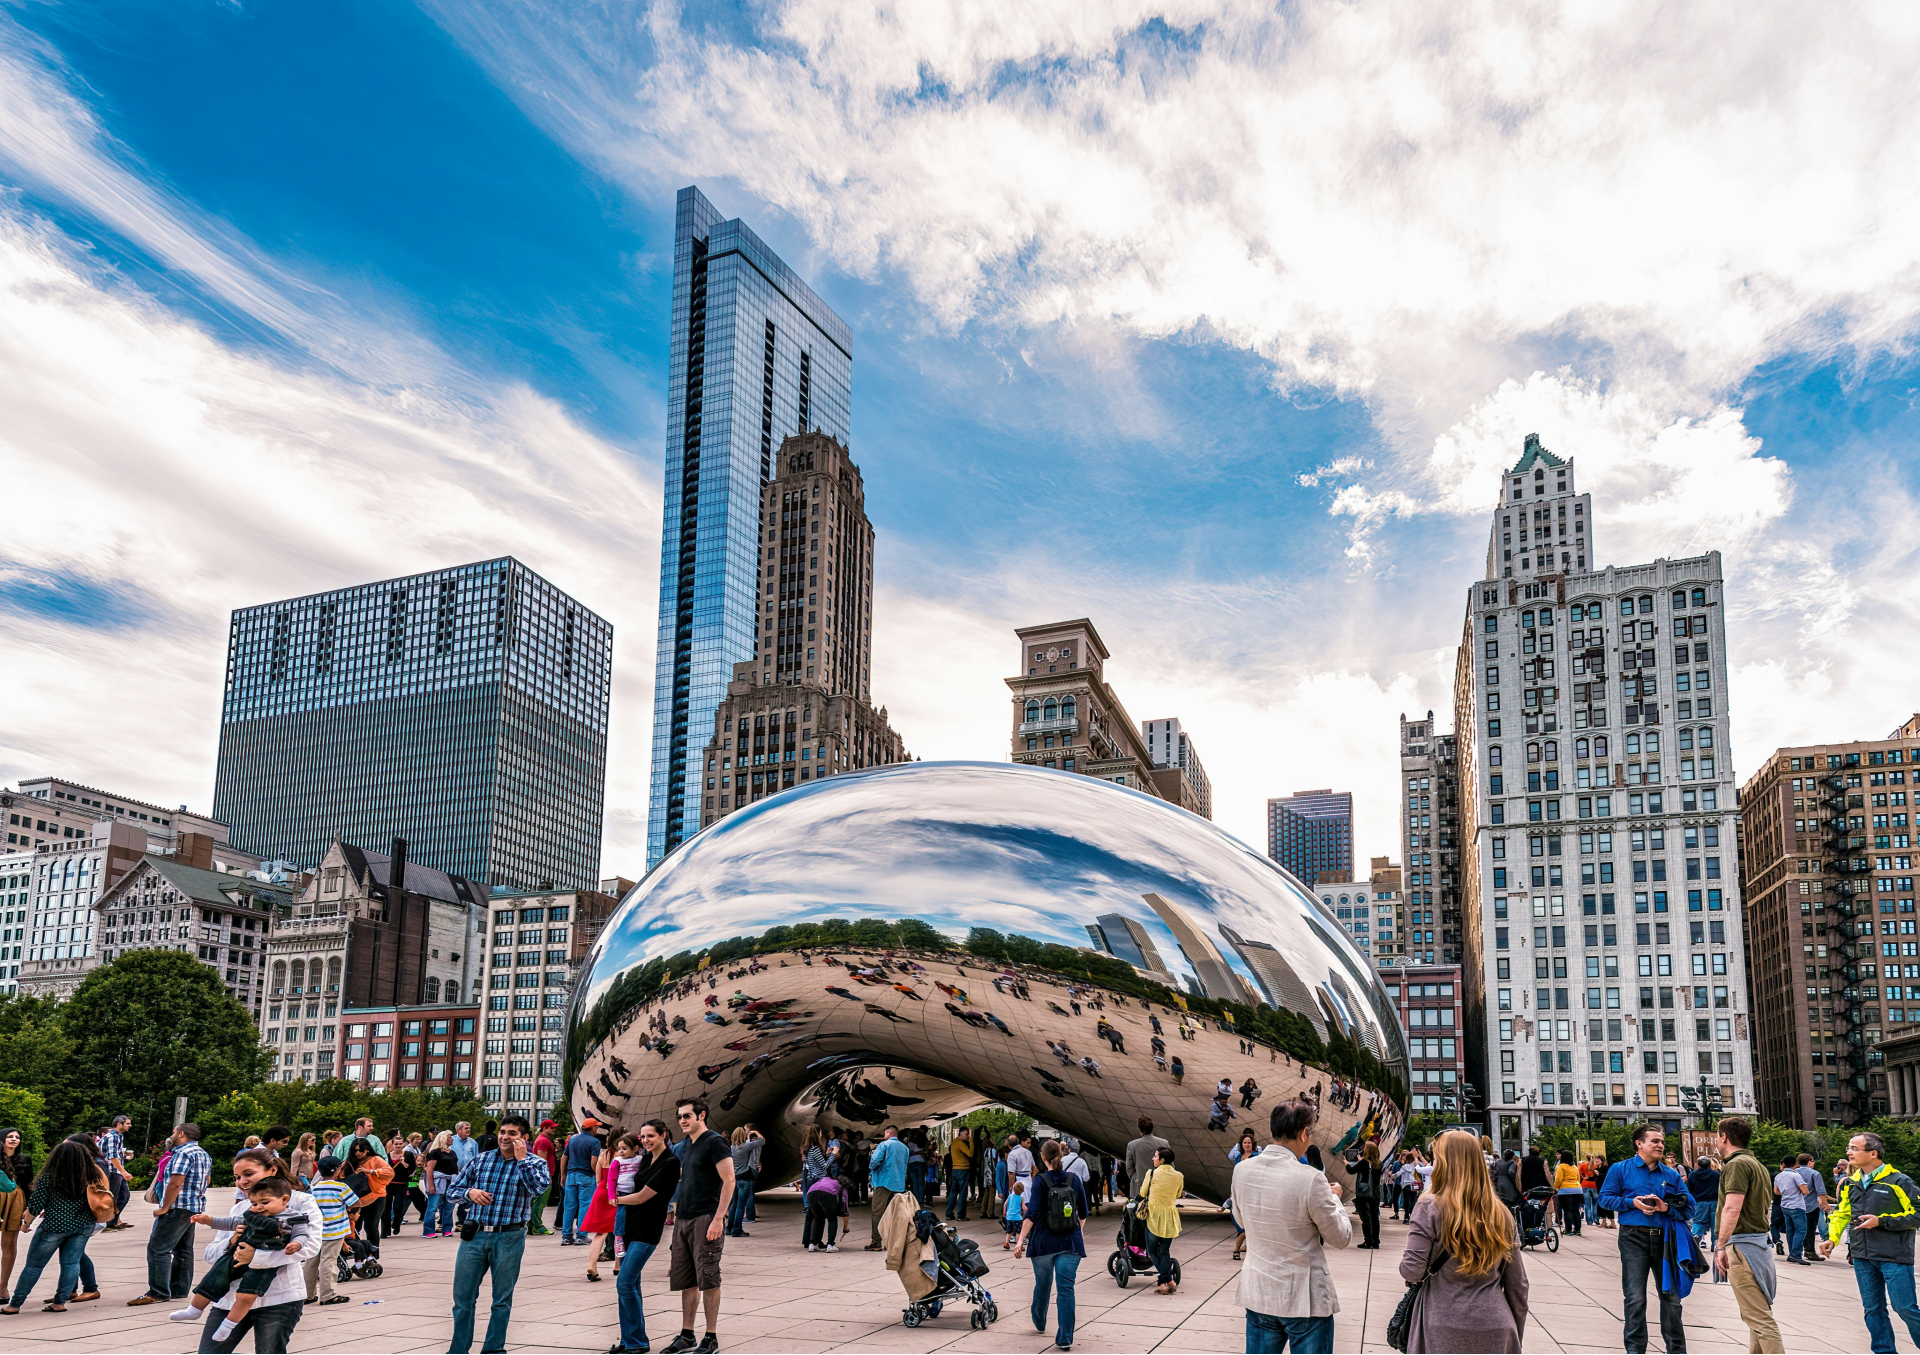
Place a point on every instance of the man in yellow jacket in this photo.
(1877, 1217)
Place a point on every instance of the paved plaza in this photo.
(782, 1299)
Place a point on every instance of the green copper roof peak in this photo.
(1536, 454)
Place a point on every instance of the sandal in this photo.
(593, 1275)
(54, 1308)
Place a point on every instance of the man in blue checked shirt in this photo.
(183, 1193)
(498, 1188)
(1639, 1190)
(113, 1147)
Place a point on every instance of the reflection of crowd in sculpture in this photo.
(905, 989)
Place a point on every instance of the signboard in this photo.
(1696, 1144)
(1591, 1148)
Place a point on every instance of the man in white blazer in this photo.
(1291, 1214)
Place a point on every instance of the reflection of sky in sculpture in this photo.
(960, 845)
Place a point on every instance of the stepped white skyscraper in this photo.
(1604, 947)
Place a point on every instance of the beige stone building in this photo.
(1065, 716)
(799, 710)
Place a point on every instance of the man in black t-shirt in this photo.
(699, 1228)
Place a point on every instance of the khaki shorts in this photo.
(695, 1262)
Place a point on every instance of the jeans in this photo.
(626, 1286)
(71, 1247)
(170, 1255)
(1593, 1204)
(1885, 1284)
(737, 1207)
(1796, 1220)
(957, 1196)
(439, 1203)
(1640, 1256)
(1161, 1250)
(272, 1328)
(573, 1204)
(500, 1253)
(1062, 1266)
(1268, 1335)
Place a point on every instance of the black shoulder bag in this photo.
(1401, 1323)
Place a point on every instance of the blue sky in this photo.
(1211, 322)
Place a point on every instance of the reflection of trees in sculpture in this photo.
(1275, 1028)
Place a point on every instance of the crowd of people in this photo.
(298, 1213)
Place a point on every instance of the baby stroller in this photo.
(1536, 1220)
(957, 1267)
(358, 1261)
(1130, 1247)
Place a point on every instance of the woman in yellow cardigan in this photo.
(1163, 1188)
(1569, 1194)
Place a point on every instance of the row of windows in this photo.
(1612, 1030)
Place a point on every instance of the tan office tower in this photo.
(1430, 810)
(799, 709)
(1826, 868)
(1065, 716)
(1604, 953)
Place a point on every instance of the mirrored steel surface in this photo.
(862, 1035)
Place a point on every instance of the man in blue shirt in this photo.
(577, 1158)
(888, 1171)
(499, 1189)
(1638, 1190)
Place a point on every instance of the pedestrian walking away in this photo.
(962, 1173)
(113, 1150)
(1740, 1250)
(644, 1218)
(182, 1189)
(699, 1228)
(887, 1171)
(1876, 1216)
(582, 1152)
(1463, 1249)
(1569, 1194)
(1796, 1198)
(336, 1201)
(1291, 1214)
(498, 1187)
(1139, 1156)
(1367, 1179)
(1703, 1183)
(1162, 1190)
(1053, 1235)
(548, 1152)
(1643, 1190)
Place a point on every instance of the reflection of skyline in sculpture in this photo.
(1128, 940)
(1210, 969)
(988, 992)
(1282, 986)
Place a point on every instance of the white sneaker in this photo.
(811, 1247)
(829, 1247)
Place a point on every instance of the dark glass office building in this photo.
(464, 710)
(755, 355)
(1311, 832)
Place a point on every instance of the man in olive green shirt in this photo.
(1740, 1250)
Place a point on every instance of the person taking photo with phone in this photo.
(498, 1187)
(1642, 1190)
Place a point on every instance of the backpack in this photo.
(1060, 1214)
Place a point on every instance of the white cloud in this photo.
(177, 478)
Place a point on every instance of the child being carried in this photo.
(265, 1227)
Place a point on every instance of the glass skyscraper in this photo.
(463, 709)
(755, 355)
(1311, 832)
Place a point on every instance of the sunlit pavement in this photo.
(781, 1298)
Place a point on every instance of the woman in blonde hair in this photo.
(1477, 1299)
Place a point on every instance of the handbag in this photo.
(100, 1199)
(1400, 1325)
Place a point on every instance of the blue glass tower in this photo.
(755, 355)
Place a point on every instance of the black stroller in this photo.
(957, 1267)
(358, 1260)
(1130, 1256)
(1536, 1220)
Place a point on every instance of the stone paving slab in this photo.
(783, 1299)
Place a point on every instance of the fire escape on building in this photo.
(1845, 834)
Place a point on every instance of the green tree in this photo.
(36, 1053)
(996, 1122)
(26, 1111)
(225, 1127)
(1618, 1138)
(157, 1024)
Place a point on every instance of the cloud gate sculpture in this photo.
(902, 945)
